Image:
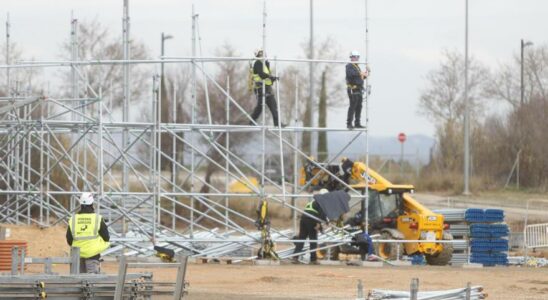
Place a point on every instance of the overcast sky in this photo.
(406, 36)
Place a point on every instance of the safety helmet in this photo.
(354, 53)
(323, 191)
(258, 52)
(86, 199)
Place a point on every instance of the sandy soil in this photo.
(41, 242)
(216, 281)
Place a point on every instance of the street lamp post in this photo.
(164, 38)
(522, 87)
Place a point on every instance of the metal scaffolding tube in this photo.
(75, 142)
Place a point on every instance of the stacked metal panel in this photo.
(484, 232)
(476, 293)
(460, 230)
(488, 238)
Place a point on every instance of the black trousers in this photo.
(307, 229)
(270, 102)
(355, 107)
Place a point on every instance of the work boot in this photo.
(349, 126)
(283, 125)
(314, 262)
(358, 125)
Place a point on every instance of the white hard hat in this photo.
(257, 51)
(323, 191)
(355, 53)
(86, 199)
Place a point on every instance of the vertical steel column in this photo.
(125, 107)
(158, 196)
(100, 163)
(156, 152)
(75, 95)
(48, 164)
(41, 135)
(227, 142)
(174, 170)
(193, 121)
(466, 110)
(295, 156)
(367, 90)
(27, 150)
(310, 109)
(8, 54)
(11, 160)
(263, 100)
(282, 166)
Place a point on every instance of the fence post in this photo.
(47, 266)
(414, 289)
(360, 290)
(14, 259)
(180, 283)
(22, 261)
(122, 270)
(74, 260)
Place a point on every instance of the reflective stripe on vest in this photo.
(85, 234)
(309, 207)
(258, 79)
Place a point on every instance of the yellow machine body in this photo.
(417, 221)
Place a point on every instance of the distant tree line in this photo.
(507, 134)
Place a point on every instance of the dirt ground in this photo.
(216, 281)
(287, 281)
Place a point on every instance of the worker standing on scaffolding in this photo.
(309, 226)
(89, 232)
(262, 75)
(354, 83)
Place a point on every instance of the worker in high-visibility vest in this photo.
(354, 88)
(262, 76)
(309, 226)
(89, 232)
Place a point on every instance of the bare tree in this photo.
(95, 42)
(443, 100)
(22, 80)
(505, 84)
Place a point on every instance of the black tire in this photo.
(389, 251)
(444, 257)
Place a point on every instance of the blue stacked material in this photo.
(479, 230)
(474, 215)
(418, 260)
(478, 215)
(493, 215)
(489, 259)
(488, 245)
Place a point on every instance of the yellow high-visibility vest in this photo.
(85, 234)
(258, 79)
(309, 207)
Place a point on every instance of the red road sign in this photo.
(402, 137)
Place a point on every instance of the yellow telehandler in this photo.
(392, 212)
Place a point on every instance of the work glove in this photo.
(274, 78)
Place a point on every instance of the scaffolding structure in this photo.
(54, 147)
